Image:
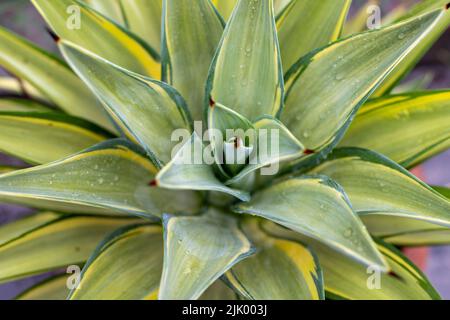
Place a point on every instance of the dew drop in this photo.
(401, 36)
(348, 232)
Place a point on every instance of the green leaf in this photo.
(54, 288)
(225, 7)
(378, 186)
(222, 118)
(406, 232)
(326, 87)
(188, 170)
(51, 77)
(231, 126)
(14, 230)
(5, 169)
(345, 279)
(279, 270)
(443, 190)
(111, 177)
(38, 137)
(409, 128)
(20, 87)
(127, 265)
(317, 207)
(143, 18)
(424, 237)
(280, 5)
(246, 73)
(109, 8)
(99, 35)
(197, 251)
(423, 46)
(405, 281)
(147, 110)
(218, 291)
(307, 25)
(38, 244)
(276, 144)
(12, 103)
(186, 60)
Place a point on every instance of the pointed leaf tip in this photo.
(212, 103)
(236, 78)
(321, 122)
(376, 186)
(188, 71)
(316, 207)
(54, 36)
(198, 250)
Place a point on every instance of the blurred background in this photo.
(433, 72)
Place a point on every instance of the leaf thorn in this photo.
(54, 36)
(212, 103)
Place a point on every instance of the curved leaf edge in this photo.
(319, 281)
(107, 242)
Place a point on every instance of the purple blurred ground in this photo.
(20, 16)
(438, 269)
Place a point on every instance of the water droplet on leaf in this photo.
(348, 232)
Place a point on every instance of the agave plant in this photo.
(107, 133)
